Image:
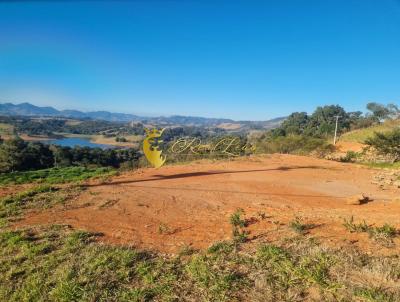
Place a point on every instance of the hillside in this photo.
(360, 135)
(27, 109)
(234, 230)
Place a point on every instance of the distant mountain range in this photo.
(27, 109)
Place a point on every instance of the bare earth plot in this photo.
(174, 206)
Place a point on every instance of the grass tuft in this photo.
(383, 234)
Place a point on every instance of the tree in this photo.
(394, 111)
(379, 111)
(37, 156)
(121, 139)
(12, 153)
(322, 121)
(357, 120)
(295, 123)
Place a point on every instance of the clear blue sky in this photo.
(236, 59)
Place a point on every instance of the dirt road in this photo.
(190, 205)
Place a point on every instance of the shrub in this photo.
(350, 157)
(383, 234)
(238, 225)
(353, 227)
(121, 139)
(298, 226)
(293, 144)
(386, 143)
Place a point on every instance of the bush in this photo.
(294, 144)
(387, 144)
(121, 139)
(350, 157)
(18, 155)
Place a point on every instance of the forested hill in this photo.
(27, 109)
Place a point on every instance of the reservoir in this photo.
(76, 141)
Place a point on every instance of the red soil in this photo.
(167, 208)
(349, 146)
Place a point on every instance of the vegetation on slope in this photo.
(361, 135)
(55, 175)
(58, 264)
(387, 144)
(18, 155)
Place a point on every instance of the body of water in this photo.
(76, 141)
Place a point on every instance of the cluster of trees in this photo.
(172, 133)
(121, 139)
(303, 133)
(18, 155)
(381, 112)
(49, 126)
(322, 122)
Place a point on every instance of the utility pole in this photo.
(337, 119)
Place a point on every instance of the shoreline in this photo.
(96, 139)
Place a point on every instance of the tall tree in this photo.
(12, 153)
(295, 123)
(379, 111)
(323, 120)
(394, 111)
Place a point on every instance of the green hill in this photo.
(360, 135)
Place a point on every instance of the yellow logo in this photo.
(151, 147)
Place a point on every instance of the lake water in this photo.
(76, 141)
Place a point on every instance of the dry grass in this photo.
(360, 135)
(6, 129)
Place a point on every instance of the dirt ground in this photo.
(344, 146)
(190, 205)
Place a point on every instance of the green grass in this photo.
(375, 294)
(299, 226)
(360, 135)
(55, 175)
(40, 197)
(236, 219)
(238, 226)
(383, 234)
(352, 227)
(56, 263)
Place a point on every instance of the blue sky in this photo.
(237, 59)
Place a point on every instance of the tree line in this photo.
(322, 122)
(302, 133)
(19, 155)
(49, 126)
